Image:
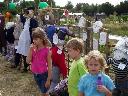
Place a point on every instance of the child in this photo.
(95, 83)
(40, 59)
(77, 69)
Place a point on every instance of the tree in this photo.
(117, 9)
(86, 8)
(51, 3)
(16, 0)
(93, 9)
(69, 6)
(107, 8)
(78, 7)
(122, 8)
(3, 7)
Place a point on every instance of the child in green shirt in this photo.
(77, 69)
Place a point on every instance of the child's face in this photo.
(73, 53)
(37, 41)
(94, 66)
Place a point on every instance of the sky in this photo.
(74, 2)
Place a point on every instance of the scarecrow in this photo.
(2, 35)
(119, 63)
(58, 55)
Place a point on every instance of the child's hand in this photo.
(102, 88)
(33, 46)
(47, 84)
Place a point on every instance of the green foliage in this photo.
(51, 3)
(124, 17)
(113, 18)
(102, 48)
(120, 29)
(69, 5)
(86, 8)
(3, 7)
(107, 8)
(37, 1)
(27, 4)
(78, 7)
(70, 21)
(122, 8)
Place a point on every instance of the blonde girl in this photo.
(95, 82)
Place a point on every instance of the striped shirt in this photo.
(119, 73)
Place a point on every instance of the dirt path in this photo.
(15, 83)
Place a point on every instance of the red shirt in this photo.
(59, 60)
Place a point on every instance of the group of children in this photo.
(84, 73)
(47, 61)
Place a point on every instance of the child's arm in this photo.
(49, 60)
(29, 57)
(81, 94)
(102, 88)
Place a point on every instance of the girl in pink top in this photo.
(39, 57)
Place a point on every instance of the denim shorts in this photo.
(41, 80)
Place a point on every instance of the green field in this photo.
(120, 29)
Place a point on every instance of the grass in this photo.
(120, 29)
(15, 83)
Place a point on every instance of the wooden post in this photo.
(100, 30)
(79, 32)
(88, 41)
(90, 34)
(107, 51)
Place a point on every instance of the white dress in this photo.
(24, 40)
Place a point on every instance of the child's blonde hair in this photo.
(40, 33)
(76, 44)
(97, 55)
